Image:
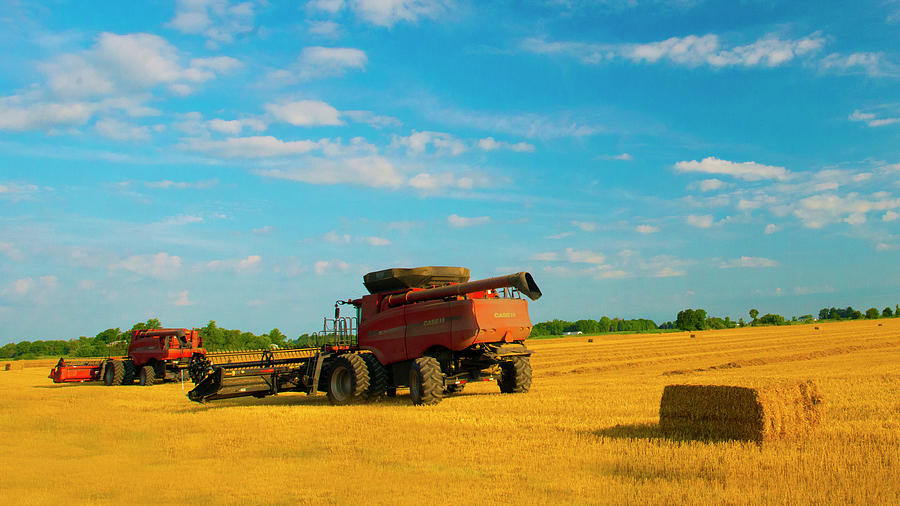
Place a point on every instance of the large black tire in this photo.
(426, 383)
(148, 376)
(348, 381)
(114, 373)
(378, 379)
(515, 377)
(130, 373)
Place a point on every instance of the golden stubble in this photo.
(586, 433)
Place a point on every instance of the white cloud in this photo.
(182, 219)
(647, 229)
(890, 216)
(749, 263)
(373, 171)
(325, 266)
(419, 142)
(820, 210)
(166, 184)
(690, 51)
(251, 147)
(305, 113)
(329, 6)
(235, 126)
(489, 144)
(219, 21)
(561, 235)
(434, 183)
(771, 228)
(584, 256)
(871, 120)
(668, 272)
(377, 241)
(159, 265)
(17, 117)
(372, 119)
(182, 299)
(317, 62)
(335, 238)
(11, 251)
(545, 257)
(457, 221)
(587, 226)
(711, 184)
(749, 171)
(702, 221)
(121, 131)
(252, 262)
(869, 64)
(387, 13)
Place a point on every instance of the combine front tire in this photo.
(148, 376)
(114, 373)
(348, 380)
(426, 383)
(515, 377)
(378, 380)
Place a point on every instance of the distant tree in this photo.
(823, 313)
(872, 313)
(771, 319)
(740, 322)
(716, 323)
(276, 337)
(897, 310)
(690, 319)
(152, 323)
(887, 313)
(754, 313)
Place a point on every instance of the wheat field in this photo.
(586, 433)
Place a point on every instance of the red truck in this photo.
(427, 328)
(154, 356)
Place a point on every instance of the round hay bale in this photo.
(590, 340)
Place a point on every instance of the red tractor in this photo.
(154, 356)
(428, 329)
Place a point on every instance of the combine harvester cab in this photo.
(428, 329)
(154, 356)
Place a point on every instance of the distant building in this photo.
(576, 333)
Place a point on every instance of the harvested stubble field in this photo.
(587, 433)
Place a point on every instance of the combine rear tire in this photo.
(515, 377)
(130, 371)
(148, 376)
(348, 381)
(114, 373)
(378, 380)
(426, 383)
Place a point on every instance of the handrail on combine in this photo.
(339, 331)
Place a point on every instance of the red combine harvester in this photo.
(427, 328)
(154, 356)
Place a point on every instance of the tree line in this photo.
(114, 342)
(605, 324)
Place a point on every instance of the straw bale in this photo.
(733, 412)
(14, 366)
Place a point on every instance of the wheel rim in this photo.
(143, 377)
(341, 383)
(108, 375)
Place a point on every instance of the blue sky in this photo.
(248, 162)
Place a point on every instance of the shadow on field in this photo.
(632, 431)
(70, 385)
(652, 432)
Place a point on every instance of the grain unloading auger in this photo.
(428, 328)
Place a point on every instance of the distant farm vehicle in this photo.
(428, 329)
(154, 356)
